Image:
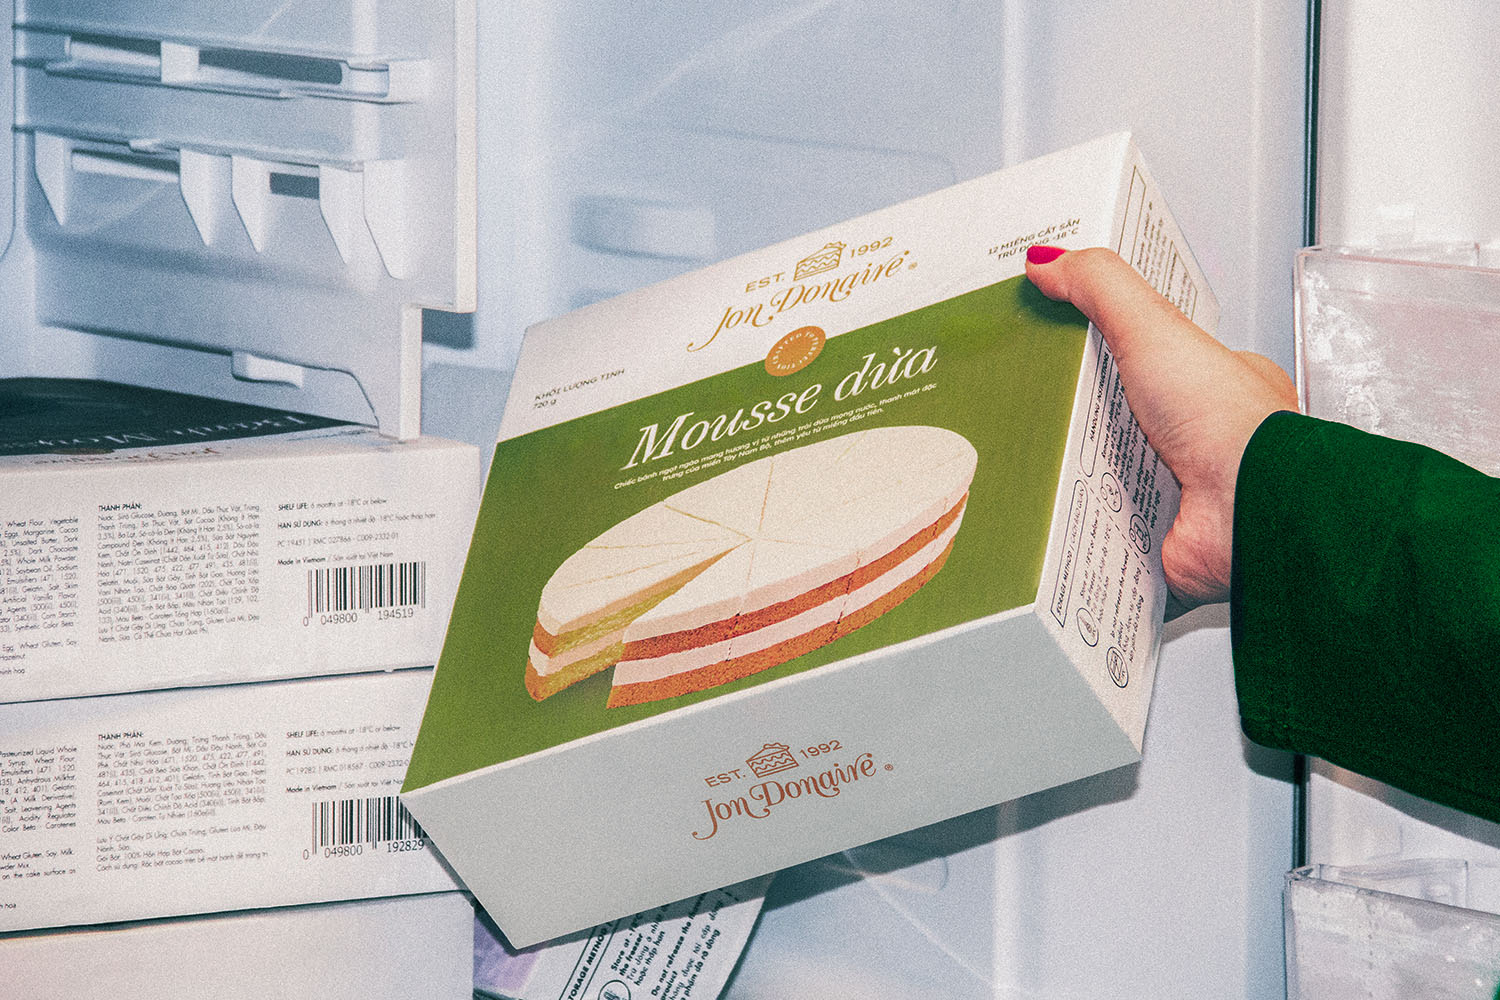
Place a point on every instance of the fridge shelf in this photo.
(285, 184)
(1401, 929)
(1404, 346)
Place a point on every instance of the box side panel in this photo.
(190, 565)
(1103, 592)
(210, 799)
(1147, 235)
(772, 777)
(379, 950)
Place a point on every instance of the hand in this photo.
(1197, 401)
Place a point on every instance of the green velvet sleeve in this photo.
(1365, 608)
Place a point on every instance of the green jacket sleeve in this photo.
(1365, 608)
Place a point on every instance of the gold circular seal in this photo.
(795, 351)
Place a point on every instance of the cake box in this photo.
(209, 799)
(807, 548)
(380, 949)
(153, 539)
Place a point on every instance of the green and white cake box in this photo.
(807, 548)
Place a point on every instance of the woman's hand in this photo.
(1197, 401)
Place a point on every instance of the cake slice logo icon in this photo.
(822, 260)
(773, 758)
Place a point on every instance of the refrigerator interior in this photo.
(618, 145)
(1403, 173)
(252, 201)
(639, 146)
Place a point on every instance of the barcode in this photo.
(365, 588)
(372, 821)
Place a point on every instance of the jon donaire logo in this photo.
(771, 794)
(815, 278)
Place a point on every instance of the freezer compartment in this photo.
(1401, 929)
(1404, 347)
(284, 183)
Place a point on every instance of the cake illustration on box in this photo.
(773, 758)
(755, 566)
(819, 262)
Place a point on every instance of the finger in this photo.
(1136, 321)
(1174, 374)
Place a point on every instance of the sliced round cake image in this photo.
(755, 566)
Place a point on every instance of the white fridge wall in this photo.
(1407, 123)
(621, 147)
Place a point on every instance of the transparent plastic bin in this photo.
(1399, 930)
(1405, 347)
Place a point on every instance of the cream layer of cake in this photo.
(695, 668)
(749, 548)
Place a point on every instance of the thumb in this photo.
(1143, 329)
(1170, 368)
(1197, 401)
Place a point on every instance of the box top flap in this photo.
(838, 278)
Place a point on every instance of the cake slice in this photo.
(610, 582)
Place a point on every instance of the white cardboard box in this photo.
(153, 540)
(201, 800)
(388, 949)
(808, 548)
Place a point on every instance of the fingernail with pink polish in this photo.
(1041, 254)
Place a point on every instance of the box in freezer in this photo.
(201, 800)
(813, 546)
(151, 539)
(388, 949)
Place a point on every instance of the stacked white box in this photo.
(255, 204)
(183, 541)
(382, 950)
(199, 800)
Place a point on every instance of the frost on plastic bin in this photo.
(1406, 348)
(1411, 928)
